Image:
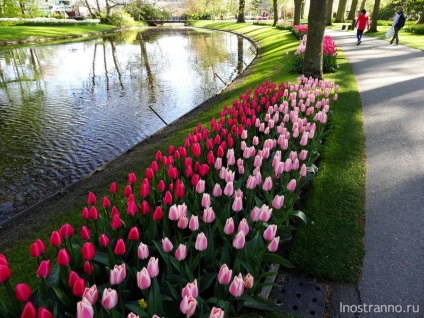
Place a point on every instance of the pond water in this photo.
(68, 109)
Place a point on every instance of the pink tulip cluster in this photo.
(228, 186)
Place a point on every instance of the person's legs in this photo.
(359, 35)
(395, 36)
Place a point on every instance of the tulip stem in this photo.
(121, 301)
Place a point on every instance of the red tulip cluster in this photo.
(214, 203)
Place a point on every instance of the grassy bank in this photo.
(330, 246)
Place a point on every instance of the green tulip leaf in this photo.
(300, 215)
(135, 308)
(155, 299)
(260, 303)
(274, 258)
(206, 281)
(101, 257)
(63, 297)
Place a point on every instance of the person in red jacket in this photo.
(362, 22)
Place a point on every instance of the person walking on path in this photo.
(398, 23)
(362, 22)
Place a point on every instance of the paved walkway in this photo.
(391, 83)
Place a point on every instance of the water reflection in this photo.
(67, 109)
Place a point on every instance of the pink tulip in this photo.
(188, 306)
(249, 281)
(239, 240)
(216, 313)
(143, 251)
(190, 290)
(200, 187)
(270, 232)
(303, 170)
(133, 315)
(167, 245)
(243, 226)
(22, 292)
(194, 223)
(181, 252)
(119, 247)
(201, 242)
(237, 205)
(217, 191)
(229, 226)
(208, 215)
(29, 311)
(258, 161)
(229, 189)
(153, 267)
(206, 200)
(254, 215)
(278, 201)
(224, 275)
(143, 279)
(109, 298)
(182, 222)
(265, 213)
(237, 286)
(218, 163)
(291, 186)
(91, 294)
(267, 185)
(84, 309)
(273, 246)
(231, 160)
(173, 214)
(251, 182)
(43, 269)
(117, 274)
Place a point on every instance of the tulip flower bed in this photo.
(329, 55)
(193, 235)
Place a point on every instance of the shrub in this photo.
(196, 232)
(121, 19)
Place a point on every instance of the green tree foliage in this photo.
(143, 12)
(9, 9)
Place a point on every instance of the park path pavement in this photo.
(391, 85)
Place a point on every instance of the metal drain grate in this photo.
(299, 296)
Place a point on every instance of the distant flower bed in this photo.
(47, 21)
(195, 233)
(300, 30)
(284, 25)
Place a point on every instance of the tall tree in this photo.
(329, 12)
(240, 16)
(363, 2)
(340, 17)
(374, 17)
(312, 64)
(297, 11)
(302, 10)
(352, 11)
(275, 9)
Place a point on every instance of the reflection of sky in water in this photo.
(67, 109)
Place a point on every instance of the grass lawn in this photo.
(330, 246)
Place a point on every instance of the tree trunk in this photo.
(240, 17)
(362, 5)
(374, 18)
(312, 64)
(297, 11)
(89, 9)
(340, 17)
(302, 10)
(274, 4)
(329, 13)
(352, 11)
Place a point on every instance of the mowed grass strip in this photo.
(335, 202)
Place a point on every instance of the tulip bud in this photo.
(43, 269)
(91, 198)
(88, 268)
(167, 245)
(229, 226)
(237, 286)
(216, 313)
(181, 252)
(29, 311)
(157, 214)
(104, 240)
(201, 242)
(84, 309)
(117, 274)
(109, 298)
(79, 287)
(85, 233)
(239, 240)
(44, 313)
(133, 235)
(88, 251)
(143, 279)
(91, 294)
(194, 223)
(249, 281)
(153, 267)
(22, 292)
(113, 188)
(120, 247)
(63, 257)
(188, 306)
(143, 251)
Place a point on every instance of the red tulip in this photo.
(220, 152)
(179, 191)
(29, 311)
(158, 155)
(196, 150)
(91, 198)
(4, 273)
(72, 278)
(120, 247)
(44, 313)
(3, 260)
(93, 213)
(104, 240)
(106, 202)
(84, 213)
(85, 233)
(204, 169)
(63, 257)
(157, 214)
(88, 268)
(188, 171)
(127, 190)
(34, 250)
(132, 208)
(173, 172)
(132, 178)
(167, 199)
(88, 251)
(149, 173)
(116, 222)
(195, 180)
(144, 208)
(133, 235)
(44, 269)
(144, 190)
(79, 287)
(22, 292)
(114, 211)
(113, 188)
